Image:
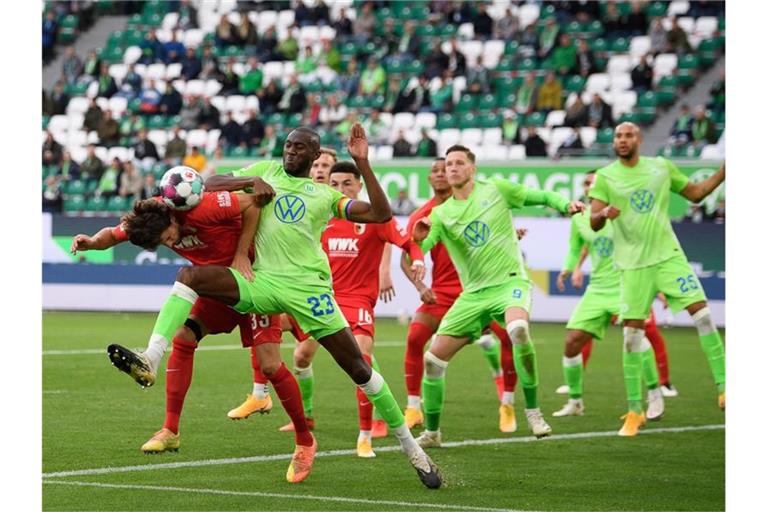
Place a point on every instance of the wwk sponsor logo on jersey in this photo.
(224, 199)
(289, 208)
(641, 201)
(477, 233)
(344, 247)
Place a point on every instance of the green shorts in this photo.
(309, 301)
(473, 311)
(595, 310)
(673, 277)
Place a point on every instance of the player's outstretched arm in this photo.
(601, 212)
(257, 187)
(378, 210)
(104, 239)
(695, 192)
(427, 295)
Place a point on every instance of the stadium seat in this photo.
(621, 81)
(588, 135)
(402, 121)
(493, 152)
(574, 83)
(711, 152)
(96, 203)
(471, 137)
(425, 120)
(555, 118)
(73, 204)
(639, 46)
(492, 136)
(516, 152)
(468, 120)
(656, 9)
(77, 105)
(490, 120)
(597, 83)
(664, 64)
(619, 64)
(466, 103)
(447, 120)
(535, 119)
(385, 152)
(486, 102)
(678, 8)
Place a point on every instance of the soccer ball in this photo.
(181, 188)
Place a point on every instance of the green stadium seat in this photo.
(172, 121)
(535, 119)
(490, 120)
(74, 204)
(448, 30)
(446, 120)
(506, 84)
(667, 81)
(688, 69)
(646, 107)
(348, 48)
(547, 12)
(120, 204)
(424, 30)
(604, 136)
(506, 101)
(620, 45)
(574, 83)
(66, 35)
(630, 117)
(486, 102)
(721, 23)
(467, 102)
(415, 67)
(689, 61)
(376, 101)
(49, 170)
(96, 204)
(396, 66)
(511, 48)
(573, 28)
(46, 120)
(74, 187)
(666, 96)
(314, 86)
(133, 37)
(383, 14)
(112, 55)
(526, 64)
(276, 119)
(151, 20)
(594, 28)
(236, 152)
(468, 120)
(708, 52)
(656, 9)
(294, 120)
(91, 186)
(358, 102)
(69, 21)
(599, 45)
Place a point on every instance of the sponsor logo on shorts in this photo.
(290, 208)
(641, 200)
(604, 246)
(477, 233)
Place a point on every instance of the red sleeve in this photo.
(217, 207)
(120, 233)
(394, 234)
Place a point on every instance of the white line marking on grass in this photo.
(284, 346)
(338, 499)
(332, 453)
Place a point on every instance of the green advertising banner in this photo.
(562, 177)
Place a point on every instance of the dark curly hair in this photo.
(146, 222)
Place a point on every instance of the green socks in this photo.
(306, 380)
(433, 395)
(492, 351)
(383, 400)
(633, 367)
(375, 365)
(525, 364)
(713, 348)
(175, 311)
(650, 372)
(573, 371)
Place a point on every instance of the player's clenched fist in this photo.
(610, 212)
(80, 243)
(575, 207)
(421, 229)
(262, 191)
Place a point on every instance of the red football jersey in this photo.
(445, 279)
(210, 231)
(354, 253)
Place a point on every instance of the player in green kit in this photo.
(633, 192)
(291, 274)
(599, 304)
(476, 227)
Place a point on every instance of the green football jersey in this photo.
(288, 238)
(600, 247)
(642, 233)
(479, 232)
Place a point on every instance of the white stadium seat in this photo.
(118, 105)
(588, 135)
(385, 152)
(711, 152)
(621, 81)
(195, 87)
(555, 118)
(664, 64)
(528, 13)
(172, 71)
(402, 121)
(197, 138)
(705, 26)
(118, 72)
(471, 137)
(620, 63)
(516, 152)
(678, 7)
(235, 103)
(639, 46)
(158, 137)
(425, 120)
(492, 152)
(132, 54)
(77, 105)
(492, 136)
(597, 82)
(212, 87)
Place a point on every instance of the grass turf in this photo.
(95, 416)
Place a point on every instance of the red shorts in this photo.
(269, 328)
(218, 318)
(439, 309)
(360, 318)
(295, 329)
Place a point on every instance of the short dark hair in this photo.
(346, 167)
(466, 150)
(439, 159)
(146, 222)
(591, 171)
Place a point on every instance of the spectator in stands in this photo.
(190, 112)
(642, 75)
(269, 97)
(145, 152)
(534, 144)
(246, 31)
(419, 96)
(266, 48)
(548, 38)
(458, 13)
(230, 81)
(697, 8)
(478, 81)
(409, 44)
(92, 116)
(343, 25)
(48, 106)
(108, 181)
(288, 48)
(329, 55)
(426, 147)
(107, 87)
(611, 19)
(51, 150)
(680, 134)
(150, 98)
(191, 65)
(442, 98)
(52, 200)
(599, 113)
(401, 146)
(345, 126)
(306, 63)
(209, 118)
(529, 42)
(482, 23)
(507, 26)
(320, 13)
(677, 39)
(402, 204)
(195, 159)
(312, 113)
(108, 130)
(294, 97)
(72, 66)
(372, 79)
(68, 168)
(718, 216)
(572, 146)
(583, 10)
(225, 34)
(268, 143)
(50, 31)
(149, 188)
(173, 50)
(349, 80)
(333, 113)
(702, 128)
(176, 149)
(510, 128)
(187, 16)
(636, 22)
(251, 81)
(91, 66)
(59, 98)
(131, 181)
(129, 127)
(170, 102)
(375, 128)
(457, 63)
(151, 48)
(549, 96)
(576, 114)
(231, 134)
(564, 56)
(526, 95)
(253, 130)
(435, 61)
(717, 93)
(132, 79)
(392, 95)
(658, 36)
(92, 167)
(210, 65)
(585, 60)
(364, 23)
(302, 14)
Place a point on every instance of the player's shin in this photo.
(418, 336)
(260, 389)
(525, 361)
(433, 390)
(306, 380)
(364, 406)
(177, 381)
(171, 317)
(573, 371)
(650, 371)
(287, 390)
(659, 350)
(492, 352)
(633, 367)
(712, 345)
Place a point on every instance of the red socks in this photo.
(507, 361)
(177, 380)
(258, 376)
(287, 389)
(586, 352)
(418, 336)
(659, 349)
(364, 406)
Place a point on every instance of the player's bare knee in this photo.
(301, 360)
(186, 275)
(434, 367)
(703, 321)
(573, 344)
(634, 340)
(360, 371)
(518, 331)
(269, 367)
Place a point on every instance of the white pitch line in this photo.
(284, 346)
(338, 499)
(332, 453)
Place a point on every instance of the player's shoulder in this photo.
(422, 211)
(213, 201)
(261, 168)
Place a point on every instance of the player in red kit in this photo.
(436, 300)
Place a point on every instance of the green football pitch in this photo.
(95, 419)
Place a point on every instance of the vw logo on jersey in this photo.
(289, 208)
(641, 201)
(477, 233)
(604, 246)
